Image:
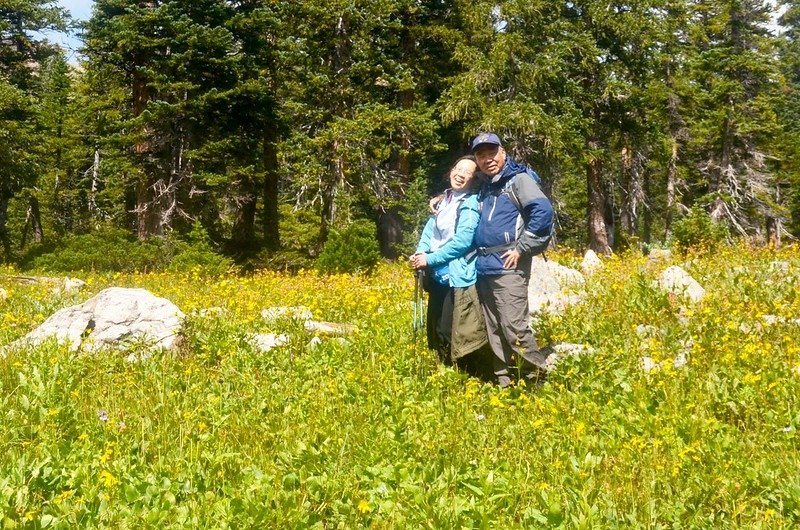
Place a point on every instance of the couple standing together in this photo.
(477, 251)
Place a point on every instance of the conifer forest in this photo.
(263, 126)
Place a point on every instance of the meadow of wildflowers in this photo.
(372, 433)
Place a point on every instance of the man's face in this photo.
(491, 159)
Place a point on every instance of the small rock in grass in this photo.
(645, 331)
(659, 254)
(649, 365)
(314, 343)
(677, 281)
(3, 295)
(73, 285)
(69, 286)
(562, 350)
(215, 311)
(779, 266)
(591, 263)
(267, 341)
(680, 361)
(298, 312)
(330, 328)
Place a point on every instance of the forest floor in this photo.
(371, 432)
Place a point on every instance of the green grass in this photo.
(374, 434)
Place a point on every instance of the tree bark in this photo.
(718, 182)
(598, 236)
(4, 239)
(147, 214)
(647, 214)
(628, 212)
(773, 232)
(33, 221)
(244, 234)
(672, 181)
(271, 217)
(329, 194)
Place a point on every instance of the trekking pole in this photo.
(418, 321)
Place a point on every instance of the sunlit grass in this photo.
(371, 433)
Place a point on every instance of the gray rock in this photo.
(73, 285)
(114, 316)
(645, 331)
(773, 320)
(329, 328)
(780, 267)
(660, 254)
(562, 350)
(649, 365)
(552, 287)
(210, 312)
(681, 360)
(677, 281)
(591, 263)
(264, 342)
(299, 312)
(316, 342)
(67, 286)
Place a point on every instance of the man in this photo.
(515, 224)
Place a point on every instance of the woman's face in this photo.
(462, 174)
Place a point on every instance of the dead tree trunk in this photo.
(95, 169)
(672, 182)
(720, 175)
(33, 222)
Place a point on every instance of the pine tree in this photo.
(21, 58)
(734, 125)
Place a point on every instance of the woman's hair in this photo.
(471, 158)
(475, 181)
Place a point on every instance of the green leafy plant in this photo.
(196, 251)
(697, 230)
(353, 249)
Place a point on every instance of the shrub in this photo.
(109, 249)
(354, 249)
(299, 230)
(196, 252)
(698, 229)
(117, 250)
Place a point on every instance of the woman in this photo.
(455, 325)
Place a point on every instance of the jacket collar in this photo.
(509, 169)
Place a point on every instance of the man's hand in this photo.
(511, 258)
(434, 202)
(419, 260)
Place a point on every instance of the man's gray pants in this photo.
(504, 298)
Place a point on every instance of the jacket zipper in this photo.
(491, 212)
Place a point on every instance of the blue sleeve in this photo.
(424, 244)
(461, 242)
(538, 211)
